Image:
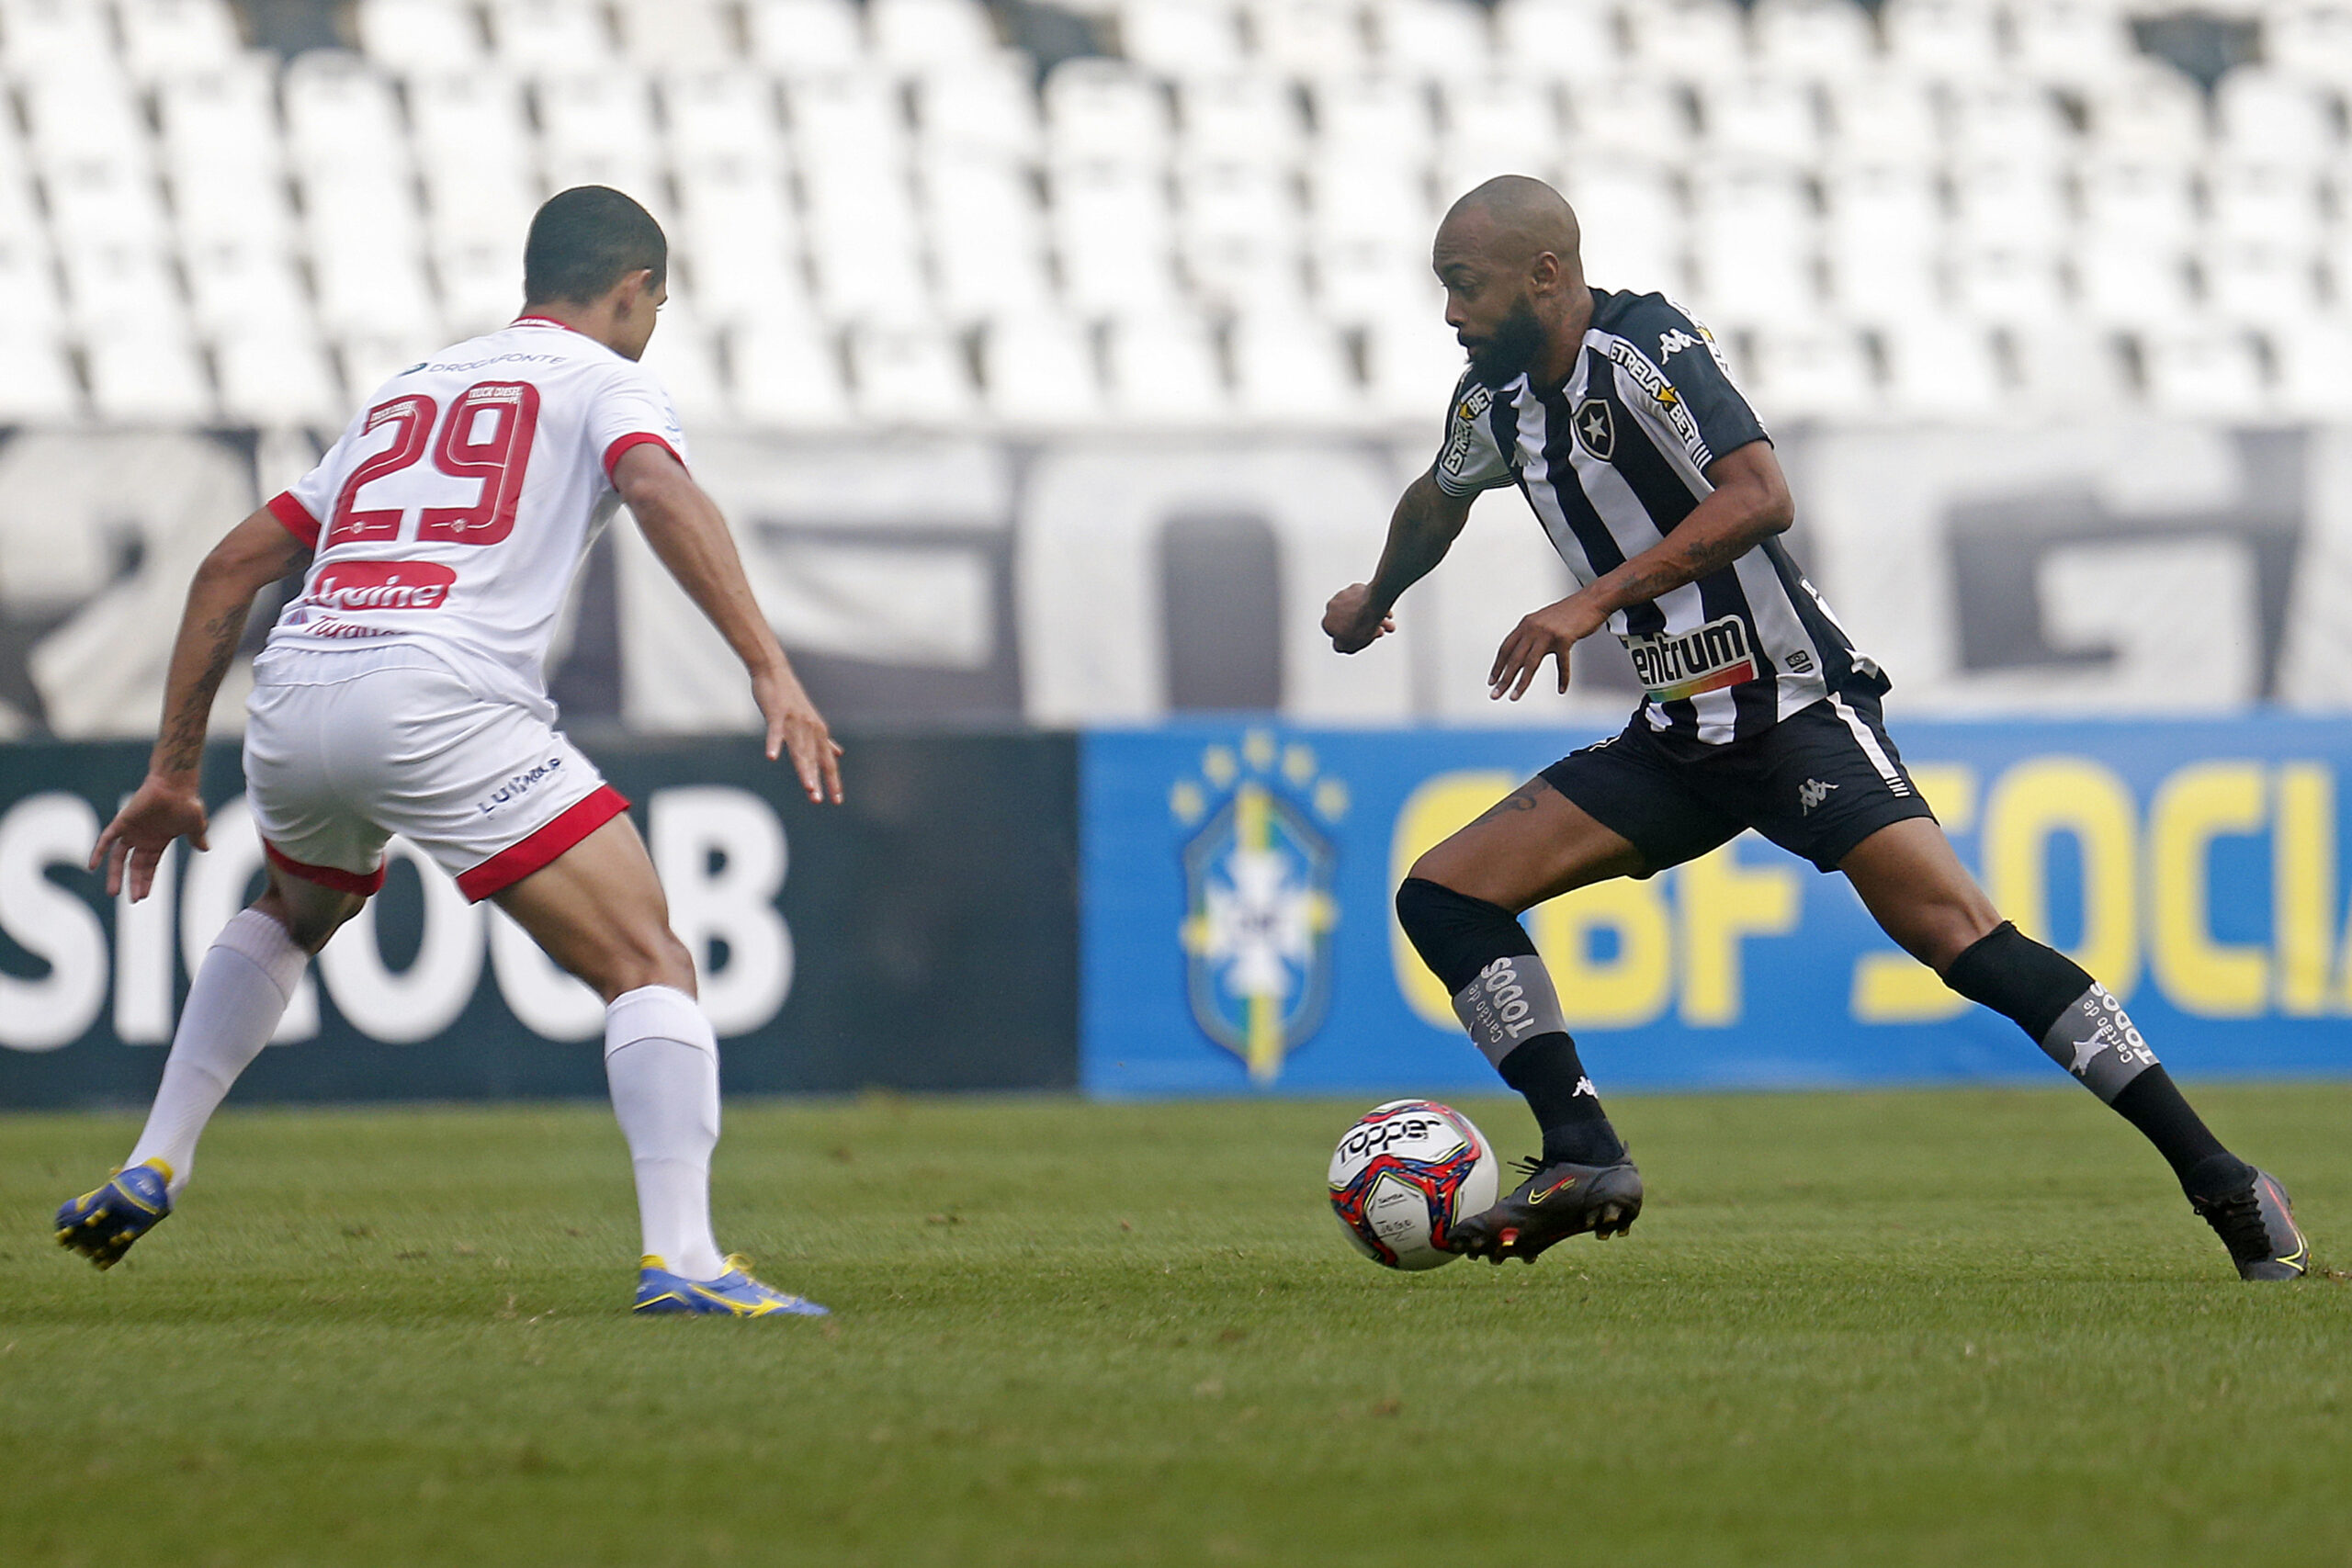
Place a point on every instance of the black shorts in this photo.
(1816, 784)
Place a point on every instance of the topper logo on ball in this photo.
(1257, 896)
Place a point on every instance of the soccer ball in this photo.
(1404, 1175)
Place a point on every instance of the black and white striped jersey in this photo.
(1613, 458)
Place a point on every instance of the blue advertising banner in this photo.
(1238, 934)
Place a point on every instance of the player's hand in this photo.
(1352, 622)
(162, 809)
(1548, 633)
(794, 725)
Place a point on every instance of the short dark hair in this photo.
(587, 239)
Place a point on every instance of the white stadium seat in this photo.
(1040, 371)
(684, 355)
(1812, 38)
(39, 387)
(1411, 362)
(480, 282)
(1379, 201)
(2067, 364)
(988, 237)
(1760, 115)
(2140, 197)
(366, 292)
(1809, 372)
(845, 122)
(1252, 115)
(342, 118)
(1941, 367)
(2313, 37)
(490, 202)
(2257, 283)
(2010, 202)
(1103, 108)
(1180, 35)
(2272, 115)
(1754, 240)
(917, 34)
(1239, 233)
(550, 36)
(2281, 203)
(1559, 39)
(2311, 357)
(2072, 42)
(1639, 116)
(235, 285)
(147, 377)
(606, 113)
(675, 34)
(787, 374)
(1291, 369)
(910, 374)
(468, 116)
(29, 281)
(165, 39)
(1634, 234)
(1163, 368)
(1382, 119)
(2149, 109)
(1307, 37)
(2203, 370)
(1881, 236)
(1943, 39)
(1112, 232)
(721, 116)
(1433, 38)
(419, 36)
(1687, 39)
(1502, 124)
(803, 37)
(979, 109)
(738, 284)
(1358, 282)
(2130, 281)
(2007, 282)
(99, 204)
(1885, 115)
(371, 357)
(229, 113)
(2010, 118)
(282, 379)
(128, 287)
(48, 38)
(84, 115)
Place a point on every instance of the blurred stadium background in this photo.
(1054, 362)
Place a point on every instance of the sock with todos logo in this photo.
(1503, 994)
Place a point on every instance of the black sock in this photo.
(1504, 997)
(2084, 1030)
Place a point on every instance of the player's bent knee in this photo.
(1454, 933)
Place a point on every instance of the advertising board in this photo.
(1239, 937)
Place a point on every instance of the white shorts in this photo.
(342, 749)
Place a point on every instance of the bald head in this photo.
(1515, 296)
(1511, 220)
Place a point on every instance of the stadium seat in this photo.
(1249, 116)
(29, 282)
(606, 114)
(2010, 202)
(1885, 115)
(1181, 37)
(910, 374)
(1687, 39)
(418, 36)
(544, 36)
(1644, 117)
(2068, 366)
(685, 357)
(1760, 114)
(469, 118)
(1238, 231)
(1411, 362)
(1754, 239)
(1163, 369)
(1359, 281)
(342, 119)
(56, 38)
(490, 202)
(2310, 357)
(81, 114)
(147, 377)
(127, 289)
(988, 237)
(479, 280)
(2073, 43)
(1111, 231)
(1106, 109)
(911, 35)
(2130, 281)
(1383, 201)
(1635, 236)
(803, 37)
(365, 291)
(2140, 197)
(40, 388)
(2203, 370)
(2003, 281)
(236, 286)
(1882, 233)
(846, 121)
(1433, 38)
(676, 35)
(224, 199)
(2281, 203)
(721, 116)
(787, 374)
(164, 39)
(2149, 109)
(2313, 37)
(1943, 40)
(278, 378)
(1820, 371)
(979, 109)
(1941, 367)
(1290, 370)
(1557, 38)
(2010, 118)
(736, 284)
(2272, 115)
(1307, 37)
(1812, 39)
(1499, 125)
(2258, 283)
(371, 357)
(95, 203)
(1375, 119)
(864, 245)
(1040, 371)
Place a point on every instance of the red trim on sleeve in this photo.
(295, 517)
(636, 438)
(543, 847)
(366, 884)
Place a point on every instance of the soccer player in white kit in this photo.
(404, 692)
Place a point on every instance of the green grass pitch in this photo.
(1954, 1328)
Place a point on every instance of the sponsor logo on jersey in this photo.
(1466, 415)
(1671, 344)
(1677, 666)
(381, 585)
(1475, 403)
(1658, 388)
(518, 786)
(1595, 427)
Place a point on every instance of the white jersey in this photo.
(455, 510)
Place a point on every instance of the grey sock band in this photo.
(1510, 1001)
(2095, 1041)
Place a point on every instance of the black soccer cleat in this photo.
(1553, 1203)
(2257, 1222)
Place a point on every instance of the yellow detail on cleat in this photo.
(651, 1260)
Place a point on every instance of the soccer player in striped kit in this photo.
(1613, 414)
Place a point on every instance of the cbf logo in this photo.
(1258, 909)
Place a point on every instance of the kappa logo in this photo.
(1671, 344)
(1596, 428)
(1812, 793)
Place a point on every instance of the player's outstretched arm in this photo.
(687, 533)
(169, 803)
(1425, 522)
(1749, 504)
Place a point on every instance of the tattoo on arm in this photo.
(182, 746)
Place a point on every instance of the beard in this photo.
(1510, 351)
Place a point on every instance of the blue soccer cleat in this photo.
(733, 1294)
(101, 1226)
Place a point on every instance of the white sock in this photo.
(239, 993)
(661, 1060)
